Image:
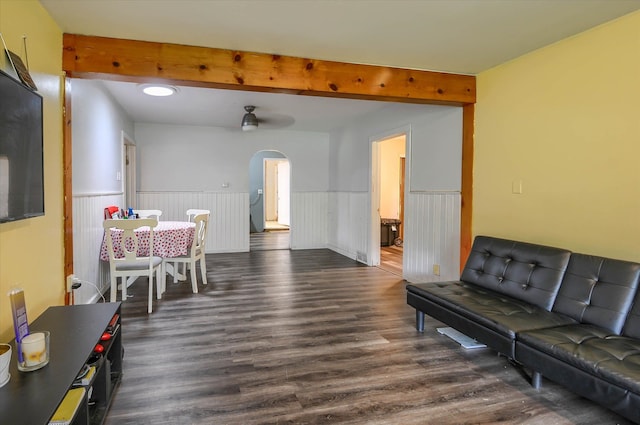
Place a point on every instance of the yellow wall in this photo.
(32, 251)
(391, 151)
(565, 120)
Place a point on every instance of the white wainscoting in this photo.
(309, 220)
(228, 231)
(88, 214)
(229, 226)
(229, 222)
(337, 220)
(431, 232)
(432, 236)
(348, 218)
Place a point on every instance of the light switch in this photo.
(118, 176)
(516, 187)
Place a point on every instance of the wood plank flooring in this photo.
(391, 259)
(312, 337)
(269, 240)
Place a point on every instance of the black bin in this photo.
(388, 231)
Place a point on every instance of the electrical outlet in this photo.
(70, 280)
(516, 187)
(436, 269)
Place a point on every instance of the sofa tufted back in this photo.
(598, 291)
(631, 326)
(528, 272)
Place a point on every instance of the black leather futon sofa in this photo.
(572, 318)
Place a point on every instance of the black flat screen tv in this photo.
(21, 157)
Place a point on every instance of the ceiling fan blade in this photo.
(274, 121)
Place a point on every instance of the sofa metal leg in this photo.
(536, 380)
(419, 321)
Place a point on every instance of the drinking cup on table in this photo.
(5, 360)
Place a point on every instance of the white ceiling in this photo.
(225, 108)
(459, 36)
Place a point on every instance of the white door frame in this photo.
(374, 192)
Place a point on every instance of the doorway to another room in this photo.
(391, 184)
(276, 194)
(129, 167)
(269, 180)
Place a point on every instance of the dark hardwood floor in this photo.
(312, 337)
(268, 240)
(391, 259)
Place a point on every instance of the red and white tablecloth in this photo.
(170, 239)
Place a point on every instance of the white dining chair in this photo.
(148, 214)
(192, 212)
(132, 265)
(196, 253)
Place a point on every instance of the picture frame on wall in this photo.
(21, 70)
(13, 65)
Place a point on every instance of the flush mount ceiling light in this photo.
(158, 89)
(249, 121)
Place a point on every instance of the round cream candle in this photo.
(34, 349)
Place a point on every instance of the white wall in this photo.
(436, 144)
(434, 161)
(174, 160)
(189, 158)
(436, 151)
(98, 123)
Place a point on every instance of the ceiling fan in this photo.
(250, 121)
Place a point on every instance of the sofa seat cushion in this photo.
(614, 358)
(495, 311)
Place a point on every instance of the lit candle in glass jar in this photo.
(34, 349)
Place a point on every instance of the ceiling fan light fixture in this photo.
(249, 121)
(158, 89)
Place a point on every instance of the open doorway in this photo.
(389, 173)
(269, 194)
(276, 194)
(129, 167)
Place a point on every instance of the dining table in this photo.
(170, 239)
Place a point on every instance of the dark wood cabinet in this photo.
(31, 398)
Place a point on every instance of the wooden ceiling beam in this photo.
(131, 60)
